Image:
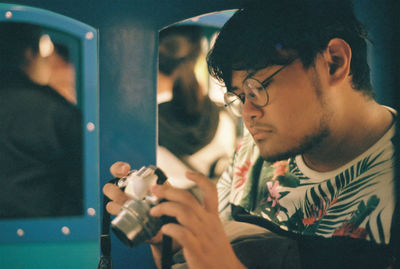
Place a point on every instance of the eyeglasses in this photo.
(253, 90)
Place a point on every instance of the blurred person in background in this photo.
(194, 133)
(40, 132)
(63, 73)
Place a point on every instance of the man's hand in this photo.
(118, 197)
(199, 230)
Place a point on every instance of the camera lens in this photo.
(134, 224)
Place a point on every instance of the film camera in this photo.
(134, 224)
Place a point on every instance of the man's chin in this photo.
(276, 157)
(269, 155)
(271, 151)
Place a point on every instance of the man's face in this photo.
(297, 116)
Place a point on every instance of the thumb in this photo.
(120, 169)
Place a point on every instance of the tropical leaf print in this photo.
(288, 181)
(316, 214)
(274, 178)
(337, 206)
(351, 203)
(381, 232)
(295, 221)
(295, 171)
(351, 228)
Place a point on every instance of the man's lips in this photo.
(260, 134)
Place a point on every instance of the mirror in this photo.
(48, 147)
(41, 130)
(195, 131)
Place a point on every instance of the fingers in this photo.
(157, 239)
(113, 208)
(183, 214)
(115, 193)
(185, 197)
(118, 197)
(182, 205)
(177, 195)
(120, 169)
(210, 194)
(183, 236)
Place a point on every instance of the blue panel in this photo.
(49, 255)
(84, 227)
(377, 18)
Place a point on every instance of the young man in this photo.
(317, 164)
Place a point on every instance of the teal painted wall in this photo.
(60, 255)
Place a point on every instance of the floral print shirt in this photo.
(355, 200)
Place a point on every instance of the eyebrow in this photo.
(252, 73)
(232, 89)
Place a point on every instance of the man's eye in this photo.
(251, 95)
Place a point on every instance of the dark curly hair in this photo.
(15, 38)
(272, 32)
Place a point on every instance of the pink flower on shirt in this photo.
(242, 174)
(274, 195)
(281, 168)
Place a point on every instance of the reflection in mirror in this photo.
(196, 132)
(40, 123)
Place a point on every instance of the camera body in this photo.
(134, 224)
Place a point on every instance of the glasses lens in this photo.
(255, 92)
(234, 103)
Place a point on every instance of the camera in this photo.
(134, 224)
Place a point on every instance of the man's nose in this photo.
(250, 111)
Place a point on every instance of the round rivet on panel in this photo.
(90, 126)
(91, 211)
(8, 15)
(89, 35)
(65, 230)
(20, 232)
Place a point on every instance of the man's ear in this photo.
(338, 57)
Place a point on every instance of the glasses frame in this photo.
(263, 83)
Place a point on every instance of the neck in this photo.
(356, 127)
